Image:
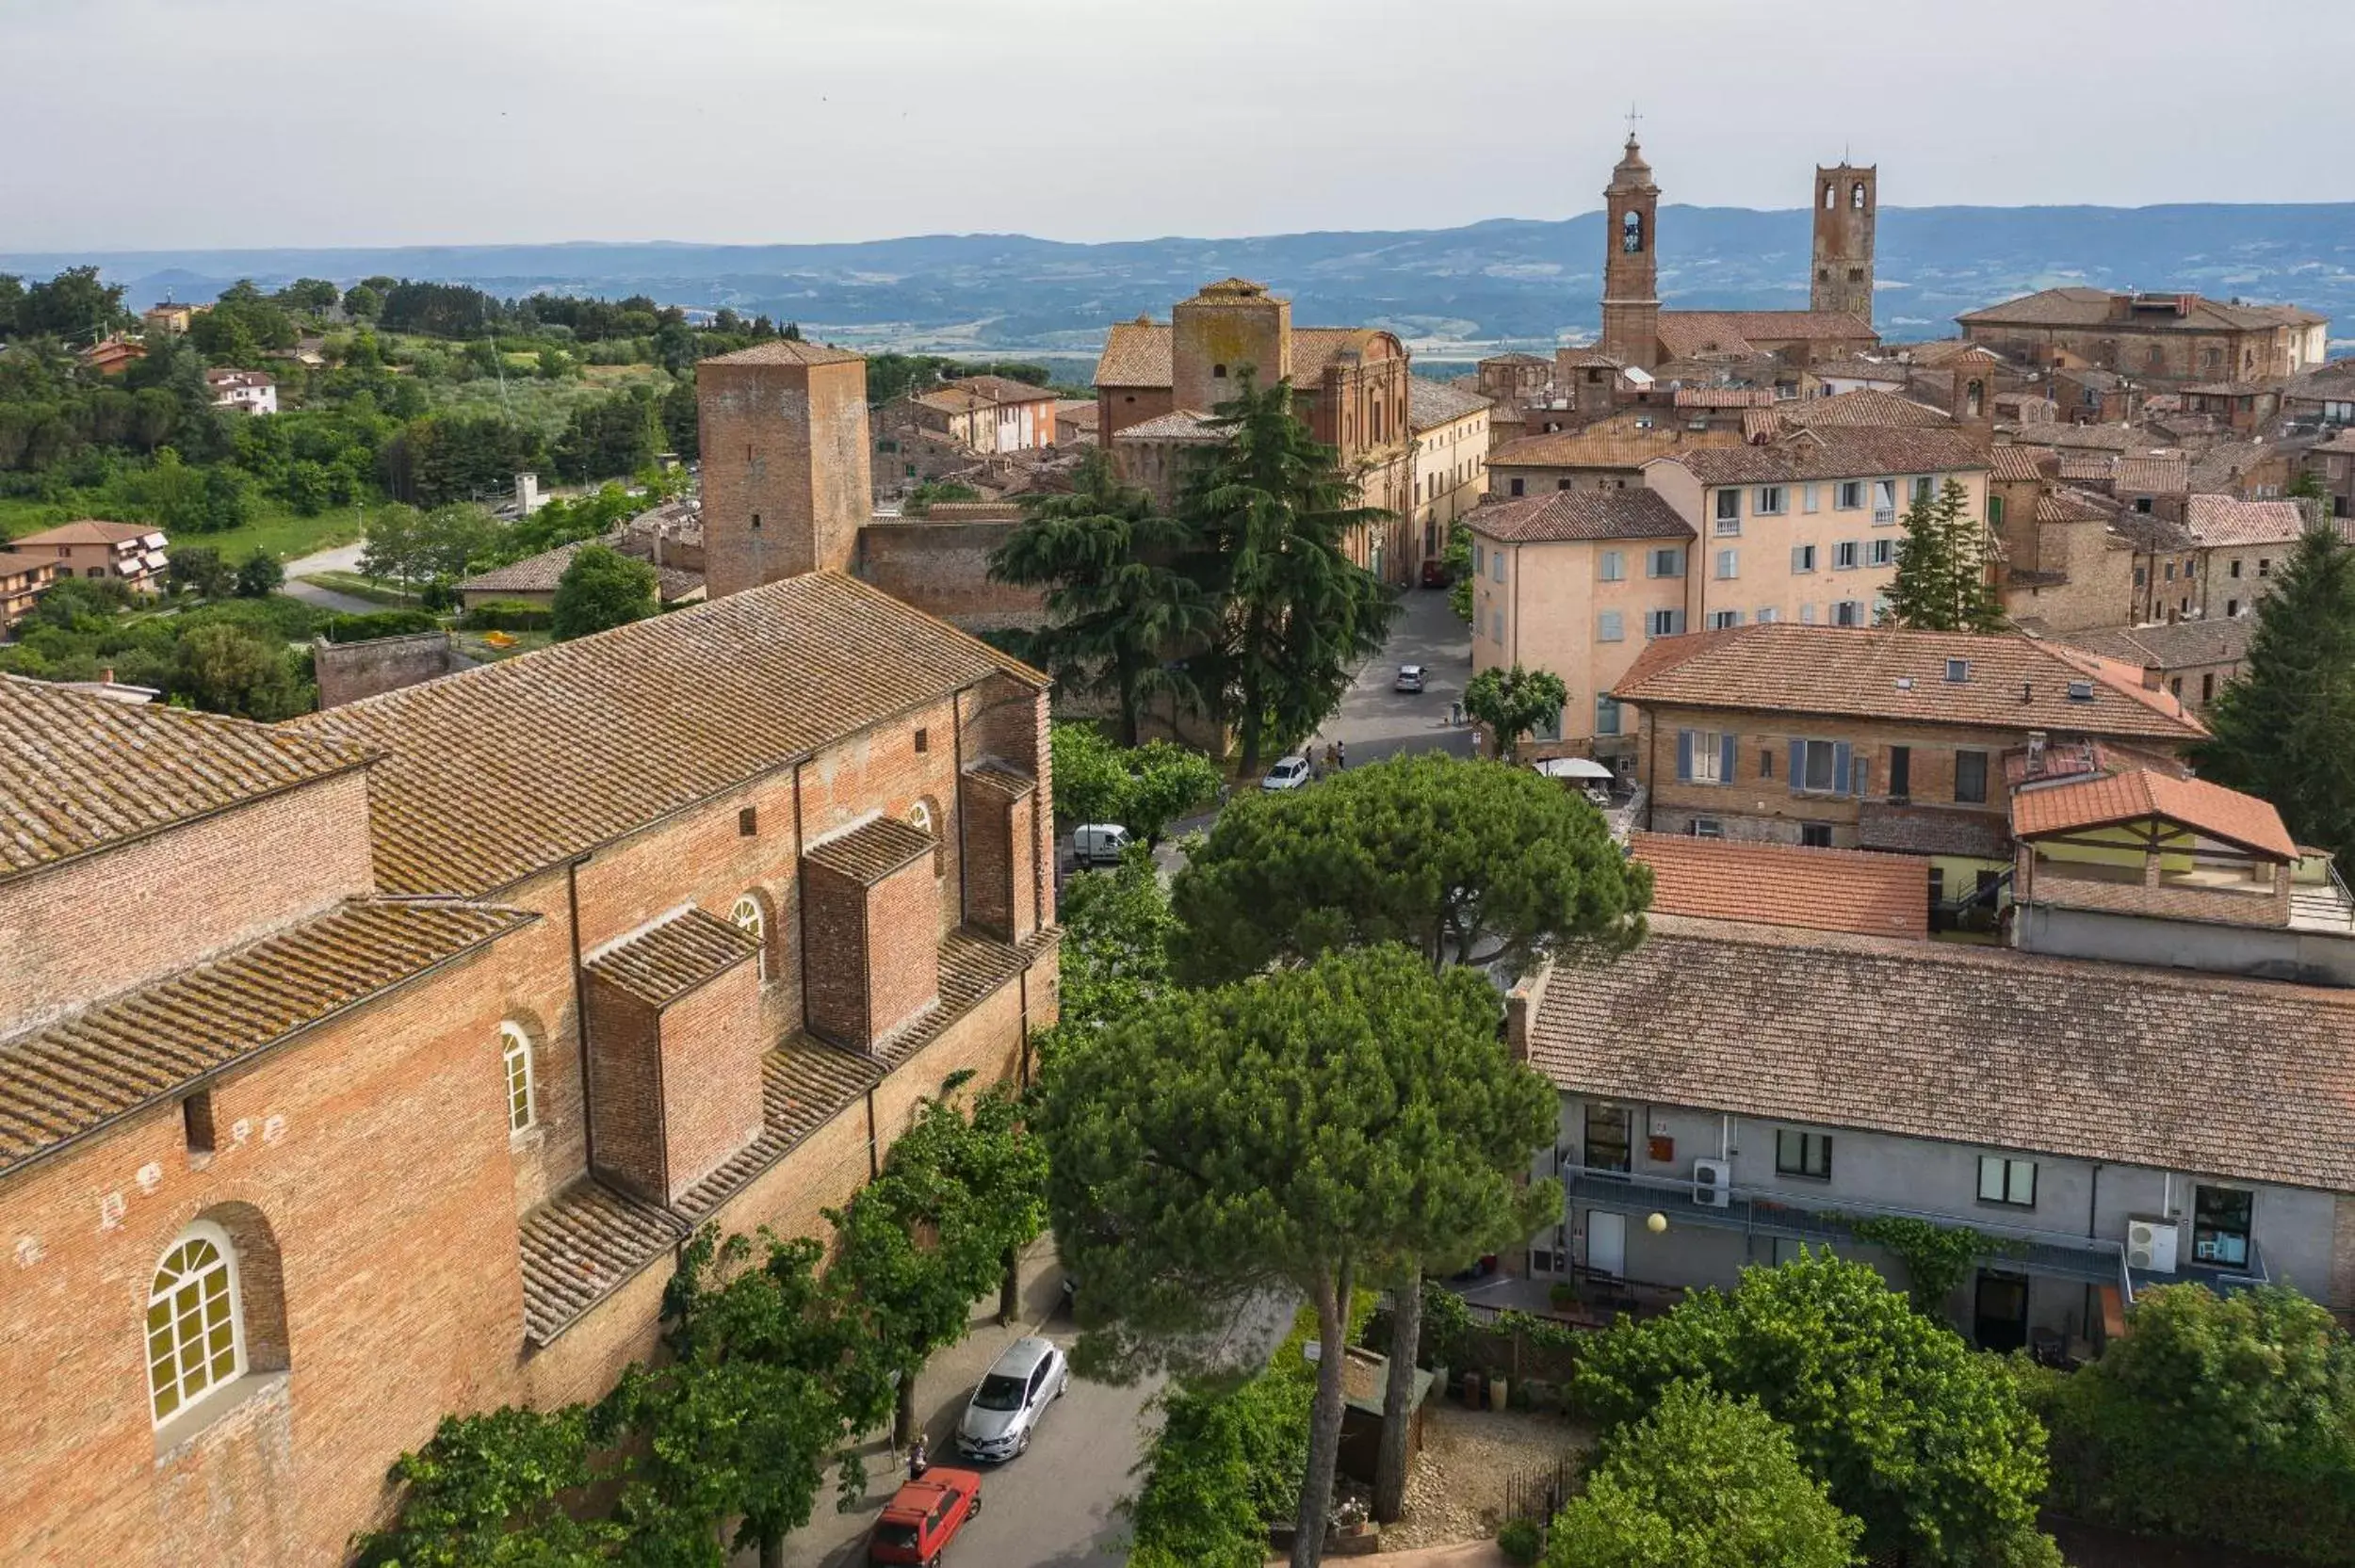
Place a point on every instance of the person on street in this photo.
(917, 1464)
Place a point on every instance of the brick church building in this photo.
(375, 1066)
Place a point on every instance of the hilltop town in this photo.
(618, 925)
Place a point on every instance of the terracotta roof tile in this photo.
(582, 1246)
(1684, 334)
(2104, 802)
(2074, 505)
(1865, 406)
(2172, 646)
(2221, 520)
(78, 773)
(1177, 425)
(2152, 475)
(1136, 353)
(89, 530)
(496, 772)
(1600, 447)
(1575, 515)
(1431, 404)
(2018, 464)
(872, 852)
(1783, 884)
(1003, 389)
(1725, 398)
(71, 1078)
(15, 563)
(674, 956)
(787, 351)
(1893, 371)
(1840, 452)
(1981, 1046)
(2090, 307)
(1883, 673)
(541, 574)
(1315, 348)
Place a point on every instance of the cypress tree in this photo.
(1942, 582)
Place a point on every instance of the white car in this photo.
(1288, 773)
(1097, 844)
(998, 1420)
(1409, 678)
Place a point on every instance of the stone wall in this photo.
(942, 568)
(351, 671)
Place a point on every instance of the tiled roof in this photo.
(89, 530)
(1684, 334)
(2074, 505)
(953, 399)
(2149, 532)
(873, 850)
(1859, 370)
(786, 351)
(2229, 389)
(2220, 469)
(1136, 353)
(1783, 884)
(1007, 784)
(2343, 442)
(542, 572)
(2015, 464)
(2112, 798)
(1590, 359)
(582, 1246)
(2221, 520)
(1314, 348)
(1979, 1046)
(1516, 359)
(1865, 406)
(2090, 307)
(1840, 452)
(1431, 404)
(1003, 389)
(2174, 646)
(496, 772)
(2152, 475)
(78, 1075)
(1601, 448)
(2109, 437)
(1177, 425)
(1573, 514)
(1882, 672)
(1725, 398)
(15, 563)
(78, 773)
(1941, 350)
(671, 957)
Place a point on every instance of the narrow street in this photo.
(1375, 721)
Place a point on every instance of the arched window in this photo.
(920, 818)
(1831, 197)
(1632, 232)
(746, 917)
(1972, 396)
(194, 1340)
(1218, 372)
(515, 1054)
(1855, 196)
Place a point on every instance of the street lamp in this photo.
(1657, 1225)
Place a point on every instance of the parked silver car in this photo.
(1288, 773)
(1030, 1375)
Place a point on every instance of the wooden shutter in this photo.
(1725, 757)
(1838, 766)
(1798, 766)
(1685, 757)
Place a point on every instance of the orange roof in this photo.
(1783, 884)
(89, 530)
(2201, 806)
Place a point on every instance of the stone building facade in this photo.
(785, 470)
(415, 1122)
(2162, 339)
(1847, 202)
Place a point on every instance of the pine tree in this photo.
(1943, 583)
(1272, 512)
(2284, 728)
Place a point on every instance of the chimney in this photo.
(2150, 677)
(2036, 752)
(106, 676)
(2027, 692)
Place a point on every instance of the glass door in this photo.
(1609, 1137)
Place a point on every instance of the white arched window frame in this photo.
(746, 917)
(195, 1333)
(515, 1055)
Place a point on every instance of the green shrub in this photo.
(360, 628)
(507, 615)
(1521, 1540)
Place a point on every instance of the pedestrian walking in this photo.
(1330, 763)
(1340, 755)
(917, 1464)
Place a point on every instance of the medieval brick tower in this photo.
(1846, 199)
(1223, 330)
(1630, 271)
(786, 478)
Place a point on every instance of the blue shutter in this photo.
(1838, 766)
(1685, 757)
(1725, 758)
(1798, 764)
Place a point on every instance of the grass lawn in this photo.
(474, 647)
(275, 527)
(362, 587)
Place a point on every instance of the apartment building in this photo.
(1804, 528)
(131, 553)
(22, 578)
(1450, 426)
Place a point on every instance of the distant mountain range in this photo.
(1449, 292)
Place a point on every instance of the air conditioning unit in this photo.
(2151, 1245)
(1713, 1183)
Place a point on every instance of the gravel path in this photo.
(1457, 1492)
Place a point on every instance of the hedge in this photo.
(507, 615)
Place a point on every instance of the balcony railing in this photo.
(1778, 1212)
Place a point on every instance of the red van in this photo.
(925, 1517)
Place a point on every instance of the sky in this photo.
(189, 124)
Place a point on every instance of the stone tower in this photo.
(785, 477)
(1846, 199)
(1630, 271)
(1220, 330)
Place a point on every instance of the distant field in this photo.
(274, 528)
(545, 406)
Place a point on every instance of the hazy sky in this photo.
(229, 122)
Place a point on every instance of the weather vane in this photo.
(1631, 118)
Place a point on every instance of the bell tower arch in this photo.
(1846, 201)
(1630, 271)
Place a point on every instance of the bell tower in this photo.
(1630, 271)
(1846, 199)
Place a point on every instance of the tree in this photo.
(1142, 787)
(1120, 613)
(1272, 515)
(1702, 1479)
(925, 496)
(229, 669)
(1943, 583)
(488, 1491)
(2284, 728)
(259, 576)
(1300, 1130)
(1114, 957)
(1514, 703)
(363, 301)
(1458, 859)
(198, 569)
(601, 588)
(1457, 559)
(1910, 1429)
(311, 296)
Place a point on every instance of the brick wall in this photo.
(351, 671)
(107, 922)
(943, 569)
(991, 882)
(1119, 407)
(902, 949)
(530, 977)
(784, 469)
(625, 1091)
(711, 1045)
(833, 962)
(372, 1152)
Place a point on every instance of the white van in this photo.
(1098, 843)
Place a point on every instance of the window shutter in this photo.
(1725, 758)
(1685, 757)
(1798, 764)
(1797, 558)
(1839, 766)
(1864, 778)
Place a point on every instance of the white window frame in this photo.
(1769, 501)
(517, 1068)
(1802, 559)
(1844, 555)
(208, 1308)
(1884, 502)
(1727, 511)
(2005, 1173)
(1708, 754)
(1883, 552)
(1848, 612)
(1850, 496)
(1809, 500)
(1767, 615)
(1667, 554)
(1611, 566)
(1729, 565)
(1724, 620)
(1674, 627)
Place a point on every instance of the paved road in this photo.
(1376, 721)
(344, 558)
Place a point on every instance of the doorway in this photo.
(1610, 1138)
(1606, 1243)
(1999, 1318)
